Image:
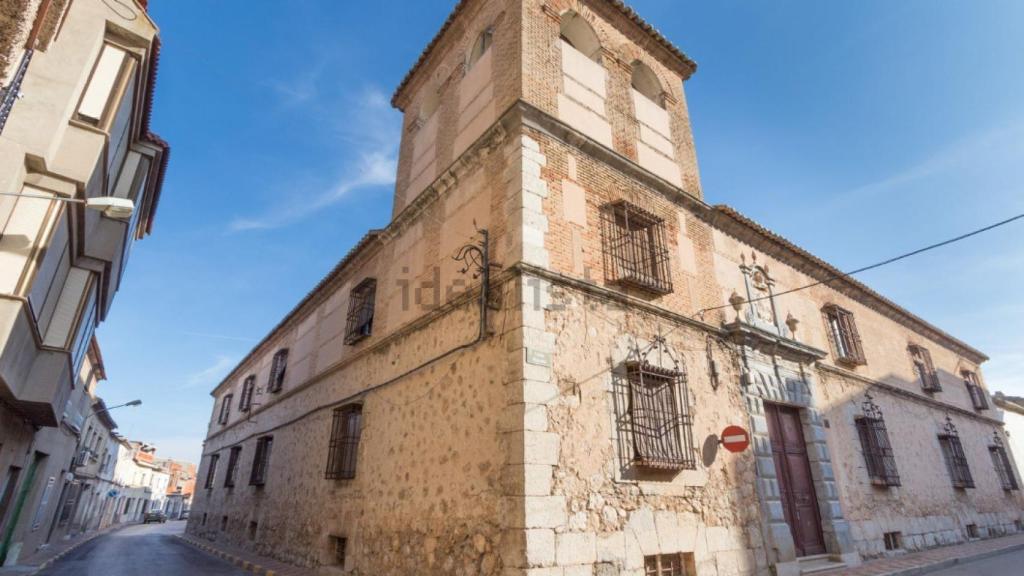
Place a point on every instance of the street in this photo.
(141, 550)
(1001, 565)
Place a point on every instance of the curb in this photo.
(943, 564)
(49, 562)
(243, 564)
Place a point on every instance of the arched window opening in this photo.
(576, 32)
(481, 46)
(645, 81)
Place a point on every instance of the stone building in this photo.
(80, 178)
(525, 372)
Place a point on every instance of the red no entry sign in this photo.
(735, 439)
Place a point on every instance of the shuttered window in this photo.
(211, 473)
(277, 370)
(979, 399)
(842, 332)
(225, 409)
(359, 322)
(346, 429)
(261, 461)
(925, 370)
(232, 471)
(248, 388)
(662, 428)
(635, 247)
(956, 461)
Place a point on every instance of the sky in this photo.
(858, 130)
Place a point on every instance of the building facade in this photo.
(527, 371)
(78, 81)
(1012, 408)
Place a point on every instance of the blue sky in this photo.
(857, 130)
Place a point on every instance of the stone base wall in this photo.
(921, 533)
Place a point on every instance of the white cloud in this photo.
(211, 375)
(371, 125)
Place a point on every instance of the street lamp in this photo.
(132, 403)
(119, 208)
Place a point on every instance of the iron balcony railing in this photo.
(10, 93)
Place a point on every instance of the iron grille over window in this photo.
(360, 311)
(261, 461)
(1001, 460)
(346, 428)
(277, 369)
(977, 393)
(211, 473)
(665, 565)
(635, 248)
(232, 471)
(874, 440)
(248, 387)
(956, 460)
(225, 409)
(842, 332)
(924, 368)
(660, 420)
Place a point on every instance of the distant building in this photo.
(180, 486)
(78, 82)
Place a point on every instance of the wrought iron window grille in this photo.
(666, 565)
(1001, 461)
(359, 322)
(978, 397)
(343, 450)
(635, 248)
(953, 453)
(842, 332)
(12, 92)
(659, 420)
(277, 371)
(874, 440)
(925, 369)
(261, 461)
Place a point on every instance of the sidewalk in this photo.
(43, 558)
(245, 559)
(915, 563)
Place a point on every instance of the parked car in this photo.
(155, 516)
(183, 515)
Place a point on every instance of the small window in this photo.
(232, 471)
(979, 399)
(668, 565)
(346, 429)
(646, 83)
(925, 370)
(113, 70)
(261, 461)
(481, 46)
(204, 518)
(972, 532)
(339, 546)
(359, 323)
(893, 540)
(956, 460)
(842, 332)
(277, 370)
(1001, 462)
(660, 418)
(253, 527)
(223, 523)
(211, 472)
(874, 441)
(248, 387)
(636, 250)
(1019, 525)
(225, 409)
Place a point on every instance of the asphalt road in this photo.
(142, 550)
(1010, 564)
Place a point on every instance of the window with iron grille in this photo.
(956, 460)
(842, 332)
(340, 550)
(346, 428)
(874, 441)
(978, 397)
(248, 387)
(261, 461)
(662, 428)
(924, 368)
(1001, 461)
(635, 246)
(225, 409)
(359, 323)
(211, 472)
(277, 369)
(666, 565)
(232, 471)
(893, 540)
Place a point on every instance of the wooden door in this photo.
(796, 485)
